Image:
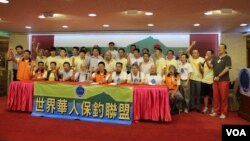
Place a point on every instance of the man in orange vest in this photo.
(25, 65)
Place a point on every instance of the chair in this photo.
(233, 103)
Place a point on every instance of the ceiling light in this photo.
(151, 24)
(65, 26)
(209, 13)
(133, 12)
(226, 11)
(92, 15)
(243, 24)
(105, 25)
(28, 27)
(46, 15)
(196, 24)
(149, 13)
(223, 11)
(4, 1)
(41, 17)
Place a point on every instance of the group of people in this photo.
(187, 75)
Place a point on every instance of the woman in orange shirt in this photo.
(172, 80)
(25, 65)
(101, 76)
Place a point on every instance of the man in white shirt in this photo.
(87, 54)
(180, 52)
(207, 80)
(109, 62)
(52, 74)
(153, 78)
(145, 50)
(113, 51)
(94, 59)
(122, 59)
(79, 60)
(46, 52)
(196, 77)
(40, 56)
(82, 74)
(185, 70)
(18, 55)
(135, 76)
(146, 64)
(131, 54)
(170, 60)
(159, 61)
(66, 73)
(153, 56)
(51, 58)
(75, 52)
(62, 59)
(119, 76)
(137, 59)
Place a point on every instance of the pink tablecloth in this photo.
(20, 97)
(151, 103)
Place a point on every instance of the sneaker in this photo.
(205, 110)
(222, 116)
(212, 110)
(213, 114)
(186, 110)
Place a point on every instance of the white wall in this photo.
(120, 39)
(236, 44)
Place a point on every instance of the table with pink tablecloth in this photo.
(20, 97)
(149, 102)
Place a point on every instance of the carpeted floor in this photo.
(19, 126)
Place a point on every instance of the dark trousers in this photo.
(195, 94)
(14, 75)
